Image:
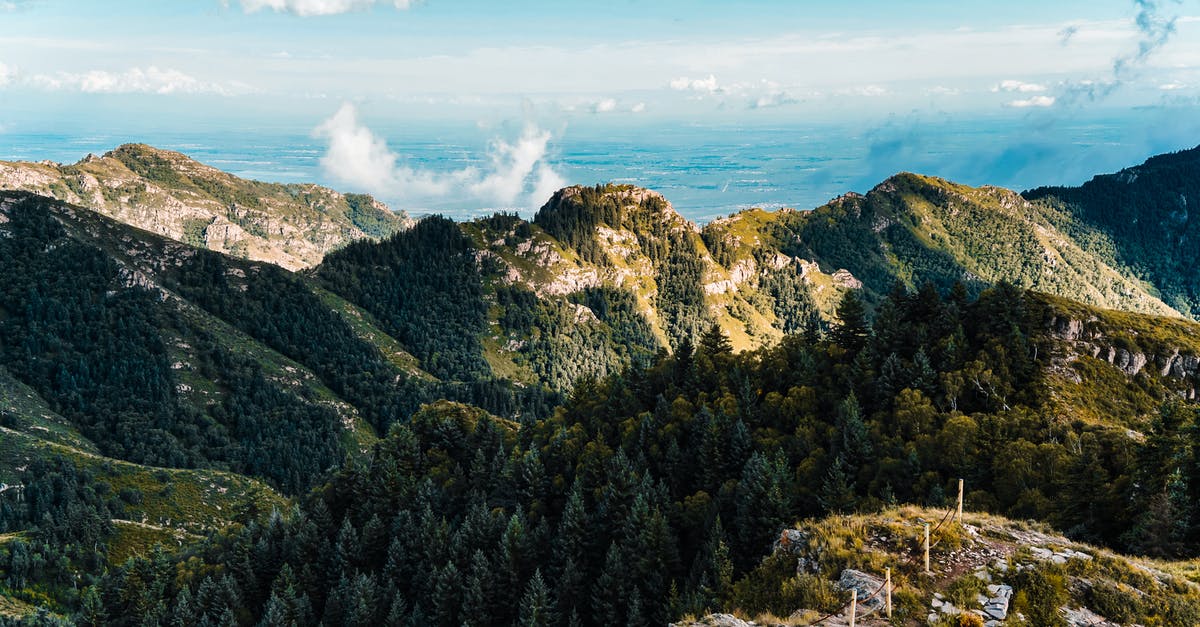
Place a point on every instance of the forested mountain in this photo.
(604, 415)
(658, 492)
(1139, 218)
(165, 192)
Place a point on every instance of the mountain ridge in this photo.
(172, 194)
(564, 393)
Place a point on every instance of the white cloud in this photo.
(548, 181)
(870, 91)
(773, 99)
(316, 7)
(152, 80)
(1034, 101)
(1172, 86)
(516, 172)
(511, 166)
(7, 74)
(604, 105)
(684, 83)
(638, 108)
(1019, 87)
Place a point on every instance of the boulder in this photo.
(866, 585)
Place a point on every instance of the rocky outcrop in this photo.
(167, 193)
(1085, 338)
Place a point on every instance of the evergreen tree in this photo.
(852, 329)
(447, 595)
(537, 608)
(837, 488)
(608, 593)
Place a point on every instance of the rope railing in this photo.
(911, 561)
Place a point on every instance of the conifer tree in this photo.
(537, 608)
(852, 329)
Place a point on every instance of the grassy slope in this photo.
(188, 500)
(31, 414)
(1129, 400)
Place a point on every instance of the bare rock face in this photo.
(869, 588)
(167, 193)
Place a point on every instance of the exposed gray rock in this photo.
(866, 585)
(1083, 617)
(717, 620)
(792, 541)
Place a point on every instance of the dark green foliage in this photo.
(852, 328)
(402, 280)
(791, 300)
(97, 357)
(367, 217)
(1139, 219)
(276, 308)
(597, 495)
(559, 342)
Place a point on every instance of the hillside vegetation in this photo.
(658, 492)
(1139, 218)
(605, 415)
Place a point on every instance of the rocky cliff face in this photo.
(1174, 359)
(174, 196)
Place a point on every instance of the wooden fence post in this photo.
(887, 587)
(853, 605)
(926, 548)
(958, 515)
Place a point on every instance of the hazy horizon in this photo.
(464, 107)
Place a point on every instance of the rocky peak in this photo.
(611, 205)
(171, 194)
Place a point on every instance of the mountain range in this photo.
(211, 350)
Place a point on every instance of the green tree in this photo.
(537, 608)
(852, 329)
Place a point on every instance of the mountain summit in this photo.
(170, 194)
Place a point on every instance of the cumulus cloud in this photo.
(773, 99)
(515, 172)
(7, 74)
(307, 8)
(1035, 101)
(1011, 85)
(151, 80)
(604, 105)
(638, 108)
(684, 83)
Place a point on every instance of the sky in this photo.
(516, 87)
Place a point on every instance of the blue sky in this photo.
(358, 73)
